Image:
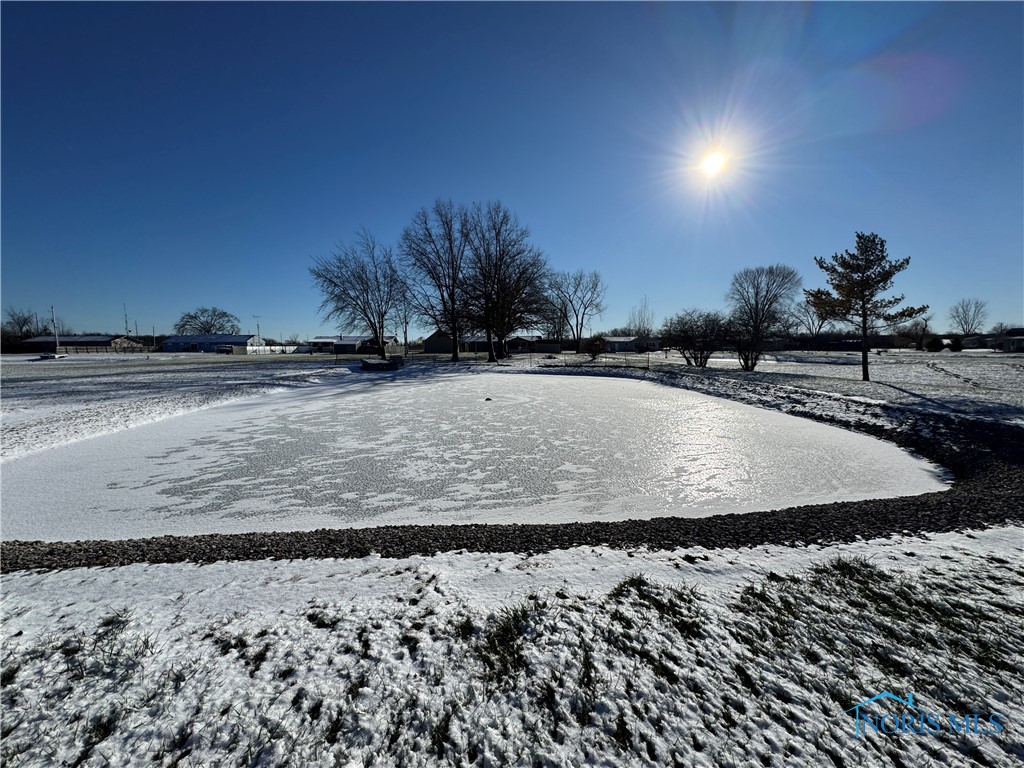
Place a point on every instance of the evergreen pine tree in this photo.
(857, 279)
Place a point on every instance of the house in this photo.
(476, 343)
(350, 345)
(227, 343)
(72, 344)
(438, 343)
(1010, 341)
(515, 344)
(630, 344)
(647, 344)
(323, 344)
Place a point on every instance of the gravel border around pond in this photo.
(985, 458)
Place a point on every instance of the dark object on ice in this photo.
(487, 399)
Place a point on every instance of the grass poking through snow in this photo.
(648, 674)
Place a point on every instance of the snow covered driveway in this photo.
(432, 445)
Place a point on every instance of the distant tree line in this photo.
(21, 324)
(461, 270)
(762, 306)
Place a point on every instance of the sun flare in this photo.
(713, 164)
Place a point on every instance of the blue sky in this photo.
(170, 156)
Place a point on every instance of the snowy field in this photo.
(589, 656)
(981, 384)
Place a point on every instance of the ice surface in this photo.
(433, 446)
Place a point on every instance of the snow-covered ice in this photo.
(436, 447)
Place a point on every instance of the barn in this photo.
(78, 344)
(226, 343)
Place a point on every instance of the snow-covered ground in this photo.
(977, 383)
(586, 656)
(45, 404)
(583, 656)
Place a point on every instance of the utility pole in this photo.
(56, 339)
(258, 337)
(125, 307)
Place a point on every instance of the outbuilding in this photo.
(225, 343)
(78, 344)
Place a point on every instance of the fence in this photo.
(87, 350)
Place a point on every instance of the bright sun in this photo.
(713, 164)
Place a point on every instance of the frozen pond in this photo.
(438, 447)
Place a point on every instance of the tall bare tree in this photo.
(207, 320)
(505, 277)
(640, 320)
(968, 316)
(857, 279)
(361, 287)
(807, 320)
(759, 298)
(20, 323)
(582, 295)
(405, 311)
(434, 247)
(554, 319)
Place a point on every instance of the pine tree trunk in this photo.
(864, 354)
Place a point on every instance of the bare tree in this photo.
(434, 247)
(361, 287)
(554, 317)
(64, 328)
(206, 320)
(759, 298)
(24, 323)
(856, 280)
(968, 316)
(20, 323)
(1000, 328)
(405, 311)
(504, 285)
(806, 318)
(640, 321)
(917, 331)
(582, 295)
(696, 334)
